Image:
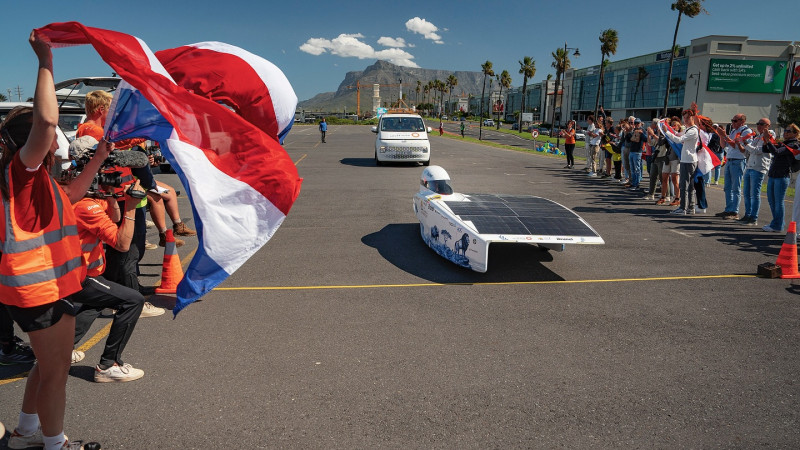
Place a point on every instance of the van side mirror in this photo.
(374, 129)
(430, 130)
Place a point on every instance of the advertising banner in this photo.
(794, 87)
(741, 75)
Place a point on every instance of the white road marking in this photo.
(684, 234)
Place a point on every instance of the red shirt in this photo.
(33, 208)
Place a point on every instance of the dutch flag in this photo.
(218, 113)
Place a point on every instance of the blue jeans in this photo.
(717, 173)
(776, 191)
(734, 172)
(753, 180)
(635, 165)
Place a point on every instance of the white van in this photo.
(402, 138)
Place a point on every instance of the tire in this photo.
(427, 163)
(377, 161)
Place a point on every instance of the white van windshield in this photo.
(402, 124)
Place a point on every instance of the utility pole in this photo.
(18, 90)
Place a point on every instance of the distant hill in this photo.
(386, 73)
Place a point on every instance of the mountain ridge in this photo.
(388, 76)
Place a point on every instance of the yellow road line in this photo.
(495, 283)
(301, 158)
(104, 331)
(96, 338)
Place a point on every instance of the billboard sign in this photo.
(742, 75)
(794, 87)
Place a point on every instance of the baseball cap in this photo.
(81, 145)
(637, 120)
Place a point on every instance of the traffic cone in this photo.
(172, 272)
(787, 258)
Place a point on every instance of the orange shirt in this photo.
(569, 136)
(94, 229)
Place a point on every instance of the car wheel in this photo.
(427, 163)
(377, 161)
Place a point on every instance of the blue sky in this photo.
(316, 43)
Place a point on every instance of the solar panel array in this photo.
(520, 215)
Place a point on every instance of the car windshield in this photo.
(69, 122)
(402, 124)
(440, 187)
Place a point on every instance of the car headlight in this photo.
(382, 149)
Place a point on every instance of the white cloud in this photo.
(350, 46)
(425, 28)
(392, 42)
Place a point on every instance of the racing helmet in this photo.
(435, 179)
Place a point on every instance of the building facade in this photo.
(724, 75)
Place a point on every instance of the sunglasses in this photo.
(761, 123)
(736, 120)
(788, 130)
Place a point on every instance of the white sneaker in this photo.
(117, 374)
(151, 310)
(150, 223)
(768, 228)
(20, 441)
(592, 174)
(691, 211)
(678, 211)
(701, 210)
(77, 356)
(648, 197)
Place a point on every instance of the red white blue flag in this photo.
(241, 182)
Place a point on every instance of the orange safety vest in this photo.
(92, 248)
(42, 266)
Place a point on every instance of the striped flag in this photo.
(241, 182)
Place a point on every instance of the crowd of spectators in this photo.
(748, 160)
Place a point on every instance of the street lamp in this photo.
(697, 89)
(563, 78)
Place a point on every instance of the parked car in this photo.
(580, 136)
(444, 117)
(488, 122)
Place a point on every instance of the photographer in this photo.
(97, 214)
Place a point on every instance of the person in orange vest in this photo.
(97, 216)
(41, 264)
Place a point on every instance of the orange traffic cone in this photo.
(172, 272)
(787, 258)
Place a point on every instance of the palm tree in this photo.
(561, 64)
(452, 82)
(504, 80)
(640, 76)
(527, 67)
(487, 72)
(419, 88)
(608, 46)
(690, 8)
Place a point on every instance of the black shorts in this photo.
(41, 317)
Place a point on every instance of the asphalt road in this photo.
(346, 331)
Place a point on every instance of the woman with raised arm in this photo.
(41, 264)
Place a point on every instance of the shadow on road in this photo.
(401, 245)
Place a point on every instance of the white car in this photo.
(402, 137)
(488, 122)
(460, 227)
(580, 136)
